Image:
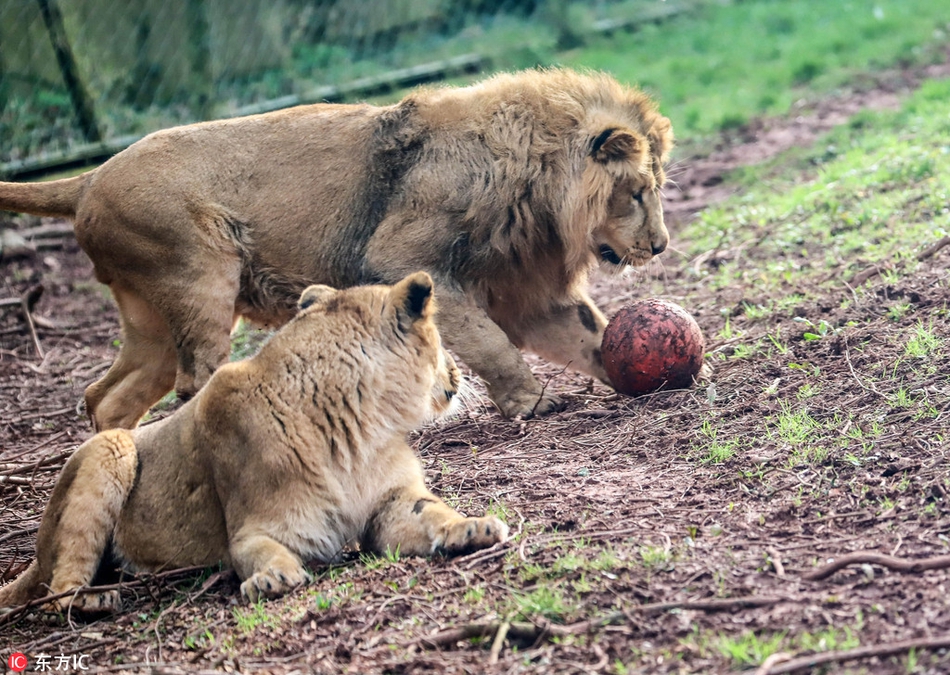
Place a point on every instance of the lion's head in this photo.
(623, 166)
(627, 143)
(560, 166)
(388, 340)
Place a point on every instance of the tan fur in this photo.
(507, 192)
(288, 456)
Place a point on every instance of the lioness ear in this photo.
(314, 294)
(613, 145)
(413, 296)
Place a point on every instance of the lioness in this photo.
(287, 456)
(507, 192)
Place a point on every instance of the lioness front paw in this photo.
(527, 405)
(472, 534)
(273, 582)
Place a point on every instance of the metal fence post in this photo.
(82, 104)
(199, 60)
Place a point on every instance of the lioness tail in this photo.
(22, 589)
(53, 198)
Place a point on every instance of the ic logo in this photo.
(17, 662)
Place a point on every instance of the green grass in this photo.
(253, 617)
(712, 450)
(720, 66)
(751, 649)
(923, 343)
(546, 601)
(879, 198)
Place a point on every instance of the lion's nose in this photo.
(659, 248)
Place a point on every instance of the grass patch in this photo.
(712, 450)
(716, 67)
(750, 649)
(254, 617)
(546, 601)
(878, 198)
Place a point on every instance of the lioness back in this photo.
(288, 456)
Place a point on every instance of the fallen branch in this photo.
(15, 480)
(866, 274)
(39, 446)
(18, 533)
(932, 250)
(498, 643)
(524, 631)
(804, 662)
(860, 557)
(14, 469)
(874, 270)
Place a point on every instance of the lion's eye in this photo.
(638, 197)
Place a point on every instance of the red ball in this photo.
(650, 345)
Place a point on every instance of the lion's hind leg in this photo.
(81, 517)
(413, 521)
(144, 370)
(269, 568)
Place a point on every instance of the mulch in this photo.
(655, 554)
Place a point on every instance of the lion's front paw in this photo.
(528, 404)
(472, 534)
(273, 582)
(87, 603)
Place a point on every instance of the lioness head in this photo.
(627, 166)
(402, 342)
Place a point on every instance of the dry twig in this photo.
(141, 580)
(525, 631)
(776, 559)
(27, 302)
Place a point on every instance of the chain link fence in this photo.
(81, 79)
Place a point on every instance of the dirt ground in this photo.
(629, 552)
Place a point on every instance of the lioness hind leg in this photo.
(269, 568)
(413, 521)
(82, 515)
(143, 372)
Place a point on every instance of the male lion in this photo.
(507, 192)
(284, 457)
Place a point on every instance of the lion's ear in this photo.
(412, 296)
(613, 145)
(314, 294)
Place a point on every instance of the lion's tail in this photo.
(53, 198)
(22, 589)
